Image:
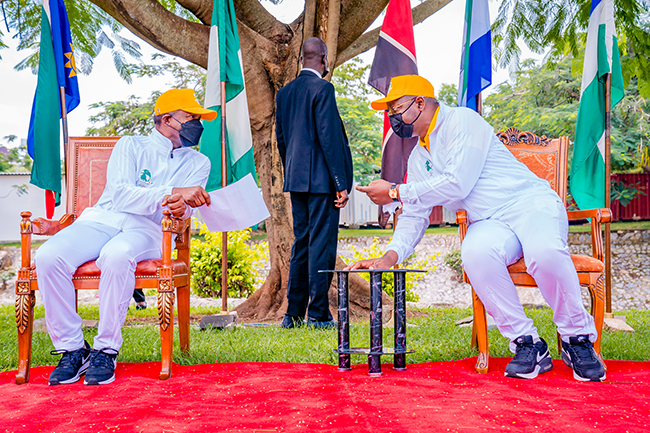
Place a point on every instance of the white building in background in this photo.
(18, 195)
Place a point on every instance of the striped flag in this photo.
(56, 69)
(225, 64)
(601, 58)
(476, 59)
(394, 56)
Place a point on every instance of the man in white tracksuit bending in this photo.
(461, 164)
(145, 175)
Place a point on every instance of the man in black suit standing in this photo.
(317, 165)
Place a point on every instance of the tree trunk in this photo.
(267, 69)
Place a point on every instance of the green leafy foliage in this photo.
(131, 117)
(559, 28)
(242, 258)
(454, 261)
(626, 193)
(448, 94)
(545, 101)
(375, 251)
(135, 116)
(16, 160)
(363, 124)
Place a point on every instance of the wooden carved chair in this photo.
(548, 159)
(86, 178)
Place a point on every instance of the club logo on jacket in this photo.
(428, 165)
(145, 176)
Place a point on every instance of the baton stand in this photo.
(376, 349)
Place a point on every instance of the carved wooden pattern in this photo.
(22, 288)
(542, 164)
(165, 309)
(24, 305)
(482, 361)
(513, 136)
(88, 159)
(25, 225)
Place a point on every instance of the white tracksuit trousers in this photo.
(535, 228)
(117, 253)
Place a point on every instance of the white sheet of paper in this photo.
(235, 207)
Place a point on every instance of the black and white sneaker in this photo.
(579, 354)
(530, 358)
(71, 365)
(102, 367)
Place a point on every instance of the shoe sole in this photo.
(545, 365)
(81, 372)
(567, 360)
(95, 382)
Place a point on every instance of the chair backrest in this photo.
(545, 157)
(86, 176)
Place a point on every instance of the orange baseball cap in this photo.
(181, 99)
(403, 85)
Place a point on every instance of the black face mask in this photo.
(401, 128)
(325, 72)
(190, 132)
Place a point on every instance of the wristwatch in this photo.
(392, 192)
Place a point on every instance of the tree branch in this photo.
(333, 24)
(357, 16)
(257, 18)
(202, 9)
(161, 28)
(369, 39)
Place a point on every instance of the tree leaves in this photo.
(560, 26)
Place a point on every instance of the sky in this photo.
(438, 43)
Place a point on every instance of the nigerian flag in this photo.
(601, 58)
(225, 64)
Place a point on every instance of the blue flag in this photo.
(56, 70)
(476, 59)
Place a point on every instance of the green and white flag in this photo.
(601, 58)
(225, 64)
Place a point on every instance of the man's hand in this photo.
(377, 191)
(194, 196)
(176, 204)
(341, 199)
(386, 262)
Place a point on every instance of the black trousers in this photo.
(315, 227)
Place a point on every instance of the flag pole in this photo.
(479, 104)
(224, 238)
(608, 197)
(64, 122)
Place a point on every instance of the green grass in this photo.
(434, 337)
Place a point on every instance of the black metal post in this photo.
(399, 362)
(344, 322)
(374, 361)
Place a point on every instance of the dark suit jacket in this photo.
(311, 137)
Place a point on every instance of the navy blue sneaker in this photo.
(579, 354)
(290, 322)
(530, 358)
(102, 367)
(71, 365)
(313, 323)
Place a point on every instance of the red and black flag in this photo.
(394, 56)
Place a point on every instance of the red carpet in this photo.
(269, 397)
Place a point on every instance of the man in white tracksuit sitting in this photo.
(461, 164)
(145, 175)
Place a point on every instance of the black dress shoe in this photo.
(292, 322)
(329, 324)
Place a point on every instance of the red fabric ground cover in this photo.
(279, 397)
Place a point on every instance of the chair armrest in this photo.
(462, 220)
(173, 225)
(596, 216)
(42, 226)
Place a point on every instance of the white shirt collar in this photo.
(313, 71)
